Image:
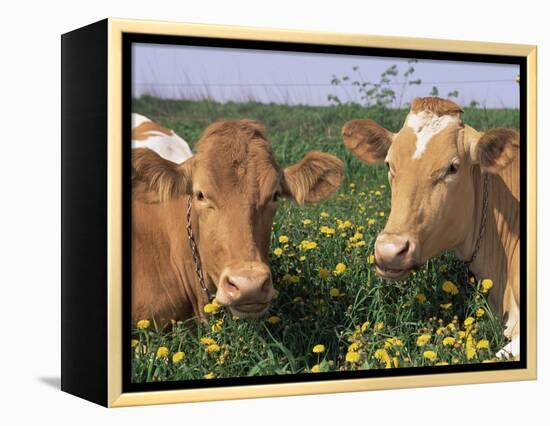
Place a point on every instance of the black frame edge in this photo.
(84, 212)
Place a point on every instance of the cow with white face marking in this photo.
(442, 172)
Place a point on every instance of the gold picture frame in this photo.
(115, 29)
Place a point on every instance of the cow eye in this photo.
(390, 171)
(452, 169)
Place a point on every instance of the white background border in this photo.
(30, 211)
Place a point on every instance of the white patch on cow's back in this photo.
(426, 126)
(170, 147)
(138, 119)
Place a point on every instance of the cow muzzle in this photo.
(246, 289)
(395, 255)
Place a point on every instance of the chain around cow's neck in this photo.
(194, 250)
(483, 221)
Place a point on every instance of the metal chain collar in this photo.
(483, 222)
(194, 250)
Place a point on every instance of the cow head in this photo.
(433, 163)
(235, 185)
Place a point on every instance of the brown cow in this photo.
(234, 184)
(436, 168)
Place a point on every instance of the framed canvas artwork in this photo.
(255, 212)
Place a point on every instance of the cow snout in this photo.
(247, 290)
(394, 255)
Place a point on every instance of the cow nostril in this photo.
(266, 284)
(404, 249)
(231, 287)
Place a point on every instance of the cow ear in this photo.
(495, 149)
(367, 140)
(314, 178)
(155, 179)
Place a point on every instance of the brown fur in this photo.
(437, 106)
(356, 132)
(144, 130)
(234, 180)
(497, 148)
(313, 177)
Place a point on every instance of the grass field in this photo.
(331, 312)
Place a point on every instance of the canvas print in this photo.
(302, 213)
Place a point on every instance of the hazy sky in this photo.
(222, 74)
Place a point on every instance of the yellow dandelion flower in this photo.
(327, 230)
(470, 347)
(482, 344)
(377, 193)
(486, 285)
(318, 349)
(213, 348)
(283, 239)
(383, 356)
(440, 331)
(143, 324)
(217, 326)
(178, 357)
(382, 214)
(480, 312)
(430, 355)
(379, 326)
(423, 340)
(209, 376)
(339, 269)
(324, 215)
(450, 287)
(211, 308)
(334, 292)
(207, 341)
(306, 222)
(449, 341)
(302, 258)
(274, 319)
(353, 357)
(469, 321)
(370, 259)
(324, 273)
(364, 326)
(278, 252)
(354, 347)
(162, 352)
(371, 221)
(316, 368)
(446, 306)
(391, 342)
(307, 245)
(134, 343)
(421, 298)
(451, 326)
(291, 279)
(461, 334)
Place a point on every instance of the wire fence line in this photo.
(398, 83)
